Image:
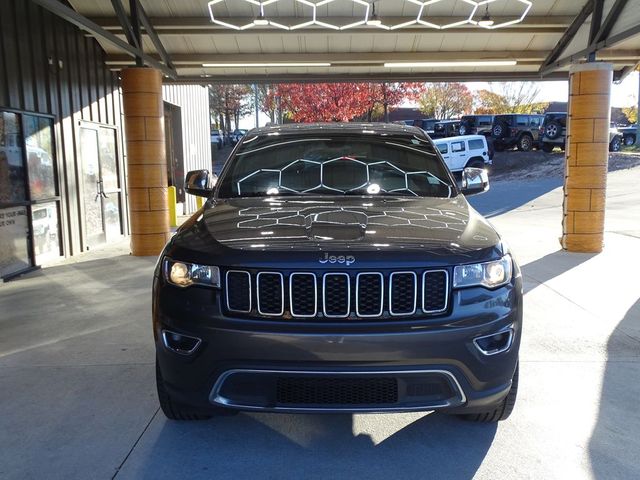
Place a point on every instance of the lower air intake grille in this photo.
(336, 391)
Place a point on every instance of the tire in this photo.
(547, 147)
(629, 140)
(499, 130)
(465, 128)
(615, 145)
(502, 411)
(525, 144)
(553, 130)
(171, 409)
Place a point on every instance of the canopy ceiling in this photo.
(192, 40)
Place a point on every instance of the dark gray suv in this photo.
(337, 268)
(516, 130)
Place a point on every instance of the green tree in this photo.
(445, 100)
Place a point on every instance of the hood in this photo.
(371, 229)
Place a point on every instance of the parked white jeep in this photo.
(464, 151)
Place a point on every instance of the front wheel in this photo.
(525, 143)
(172, 409)
(502, 411)
(615, 144)
(629, 140)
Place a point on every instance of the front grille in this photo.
(270, 293)
(238, 291)
(434, 291)
(336, 391)
(402, 294)
(337, 295)
(369, 294)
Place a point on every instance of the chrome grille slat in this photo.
(425, 292)
(292, 301)
(270, 296)
(359, 294)
(233, 304)
(300, 294)
(414, 293)
(326, 294)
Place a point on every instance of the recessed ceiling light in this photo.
(266, 65)
(472, 63)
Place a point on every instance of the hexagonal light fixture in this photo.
(367, 19)
(423, 5)
(492, 26)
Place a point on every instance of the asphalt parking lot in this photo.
(78, 395)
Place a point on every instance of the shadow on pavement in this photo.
(615, 442)
(316, 446)
(505, 195)
(550, 266)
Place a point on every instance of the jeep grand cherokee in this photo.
(337, 268)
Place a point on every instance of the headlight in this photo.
(489, 274)
(184, 274)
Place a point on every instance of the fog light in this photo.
(495, 343)
(178, 343)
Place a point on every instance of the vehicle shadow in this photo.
(615, 443)
(410, 446)
(550, 266)
(504, 196)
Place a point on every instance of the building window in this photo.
(29, 197)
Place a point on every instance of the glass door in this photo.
(100, 184)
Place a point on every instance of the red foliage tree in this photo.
(389, 95)
(330, 102)
(323, 102)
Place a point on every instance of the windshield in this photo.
(336, 165)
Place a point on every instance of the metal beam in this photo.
(366, 58)
(150, 31)
(568, 35)
(135, 25)
(607, 43)
(367, 77)
(71, 16)
(204, 26)
(609, 22)
(596, 22)
(123, 19)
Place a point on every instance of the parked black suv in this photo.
(446, 128)
(337, 268)
(516, 130)
(425, 124)
(476, 125)
(629, 134)
(554, 130)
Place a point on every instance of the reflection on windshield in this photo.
(336, 166)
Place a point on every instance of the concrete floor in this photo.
(77, 395)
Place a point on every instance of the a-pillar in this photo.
(146, 160)
(587, 155)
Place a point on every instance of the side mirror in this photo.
(200, 182)
(474, 181)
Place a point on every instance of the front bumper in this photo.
(401, 350)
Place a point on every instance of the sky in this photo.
(624, 94)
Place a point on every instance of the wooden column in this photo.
(587, 155)
(146, 160)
